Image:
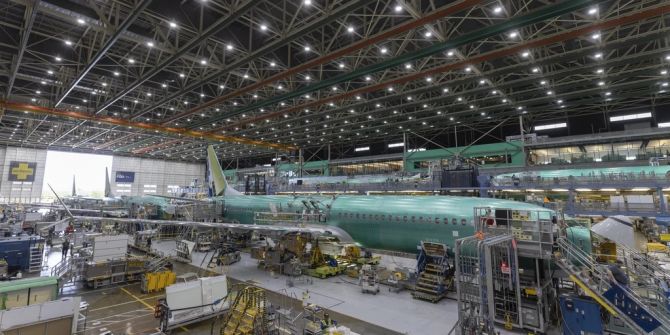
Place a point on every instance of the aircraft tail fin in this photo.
(74, 187)
(217, 179)
(108, 186)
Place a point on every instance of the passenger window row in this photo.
(397, 218)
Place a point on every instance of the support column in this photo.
(404, 151)
(523, 141)
(570, 208)
(662, 203)
(300, 163)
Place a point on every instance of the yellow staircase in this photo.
(247, 313)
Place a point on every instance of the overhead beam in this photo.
(621, 20)
(536, 16)
(338, 12)
(22, 107)
(103, 51)
(31, 13)
(220, 24)
(364, 43)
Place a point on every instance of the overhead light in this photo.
(58, 59)
(50, 72)
(307, 48)
(513, 34)
(551, 126)
(116, 73)
(600, 70)
(359, 149)
(307, 2)
(163, 85)
(264, 27)
(273, 64)
(150, 44)
(398, 8)
(664, 72)
(383, 50)
(664, 125)
(525, 54)
(583, 190)
(630, 117)
(173, 24)
(203, 62)
(68, 42)
(595, 36)
(497, 9)
(631, 158)
(535, 70)
(559, 190)
(428, 34)
(593, 11)
(598, 55)
(229, 47)
(181, 75)
(81, 21)
(131, 61)
(350, 29)
(640, 189)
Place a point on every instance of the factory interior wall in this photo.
(153, 176)
(21, 191)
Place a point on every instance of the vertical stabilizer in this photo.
(217, 179)
(108, 187)
(74, 187)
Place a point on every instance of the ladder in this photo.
(247, 314)
(36, 255)
(433, 268)
(643, 313)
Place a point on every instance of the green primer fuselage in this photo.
(381, 222)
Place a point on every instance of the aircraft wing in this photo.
(179, 198)
(268, 229)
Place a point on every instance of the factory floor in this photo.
(124, 309)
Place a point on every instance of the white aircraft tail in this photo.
(216, 178)
(108, 186)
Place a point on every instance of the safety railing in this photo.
(595, 276)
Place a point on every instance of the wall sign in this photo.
(22, 171)
(125, 177)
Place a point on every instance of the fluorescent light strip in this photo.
(362, 149)
(664, 125)
(551, 126)
(395, 145)
(630, 117)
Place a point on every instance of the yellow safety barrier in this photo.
(664, 237)
(156, 281)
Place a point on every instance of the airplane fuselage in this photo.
(382, 222)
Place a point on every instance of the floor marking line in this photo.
(123, 303)
(138, 299)
(145, 303)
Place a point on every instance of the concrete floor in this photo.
(125, 310)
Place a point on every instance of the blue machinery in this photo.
(512, 270)
(22, 253)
